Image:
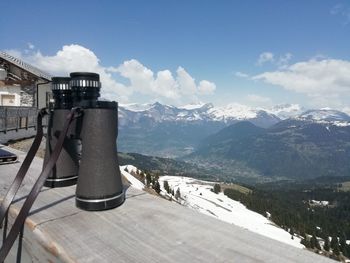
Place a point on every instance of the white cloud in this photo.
(346, 110)
(241, 74)
(265, 57)
(206, 88)
(161, 85)
(181, 89)
(258, 99)
(269, 57)
(30, 45)
(187, 85)
(326, 81)
(284, 59)
(342, 11)
(14, 52)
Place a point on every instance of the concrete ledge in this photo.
(144, 229)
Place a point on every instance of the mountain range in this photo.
(151, 114)
(291, 149)
(169, 131)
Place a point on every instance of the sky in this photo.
(258, 53)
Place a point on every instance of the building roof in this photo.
(25, 66)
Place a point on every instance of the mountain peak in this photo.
(286, 110)
(160, 105)
(324, 114)
(194, 106)
(202, 112)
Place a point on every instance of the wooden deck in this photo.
(144, 229)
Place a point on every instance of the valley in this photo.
(240, 143)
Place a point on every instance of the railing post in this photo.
(5, 120)
(27, 121)
(17, 119)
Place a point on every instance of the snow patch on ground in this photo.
(197, 195)
(133, 181)
(319, 203)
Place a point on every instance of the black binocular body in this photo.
(89, 154)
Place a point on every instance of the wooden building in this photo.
(22, 84)
(24, 90)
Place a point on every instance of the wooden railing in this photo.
(15, 118)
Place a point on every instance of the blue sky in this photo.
(258, 53)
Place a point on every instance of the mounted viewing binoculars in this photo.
(80, 149)
(89, 154)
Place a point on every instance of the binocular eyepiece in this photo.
(89, 155)
(81, 89)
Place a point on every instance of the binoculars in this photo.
(89, 154)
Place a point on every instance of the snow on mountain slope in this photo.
(136, 107)
(127, 174)
(325, 114)
(229, 113)
(285, 111)
(233, 111)
(192, 106)
(156, 112)
(197, 195)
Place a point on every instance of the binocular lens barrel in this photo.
(99, 184)
(62, 93)
(85, 88)
(65, 172)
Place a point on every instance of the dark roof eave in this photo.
(25, 66)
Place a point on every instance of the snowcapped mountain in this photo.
(158, 113)
(285, 111)
(169, 131)
(325, 114)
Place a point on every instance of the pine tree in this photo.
(313, 242)
(342, 242)
(347, 251)
(172, 192)
(148, 179)
(326, 244)
(178, 194)
(216, 188)
(305, 241)
(156, 187)
(291, 231)
(336, 250)
(318, 244)
(142, 176)
(334, 242)
(166, 187)
(156, 175)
